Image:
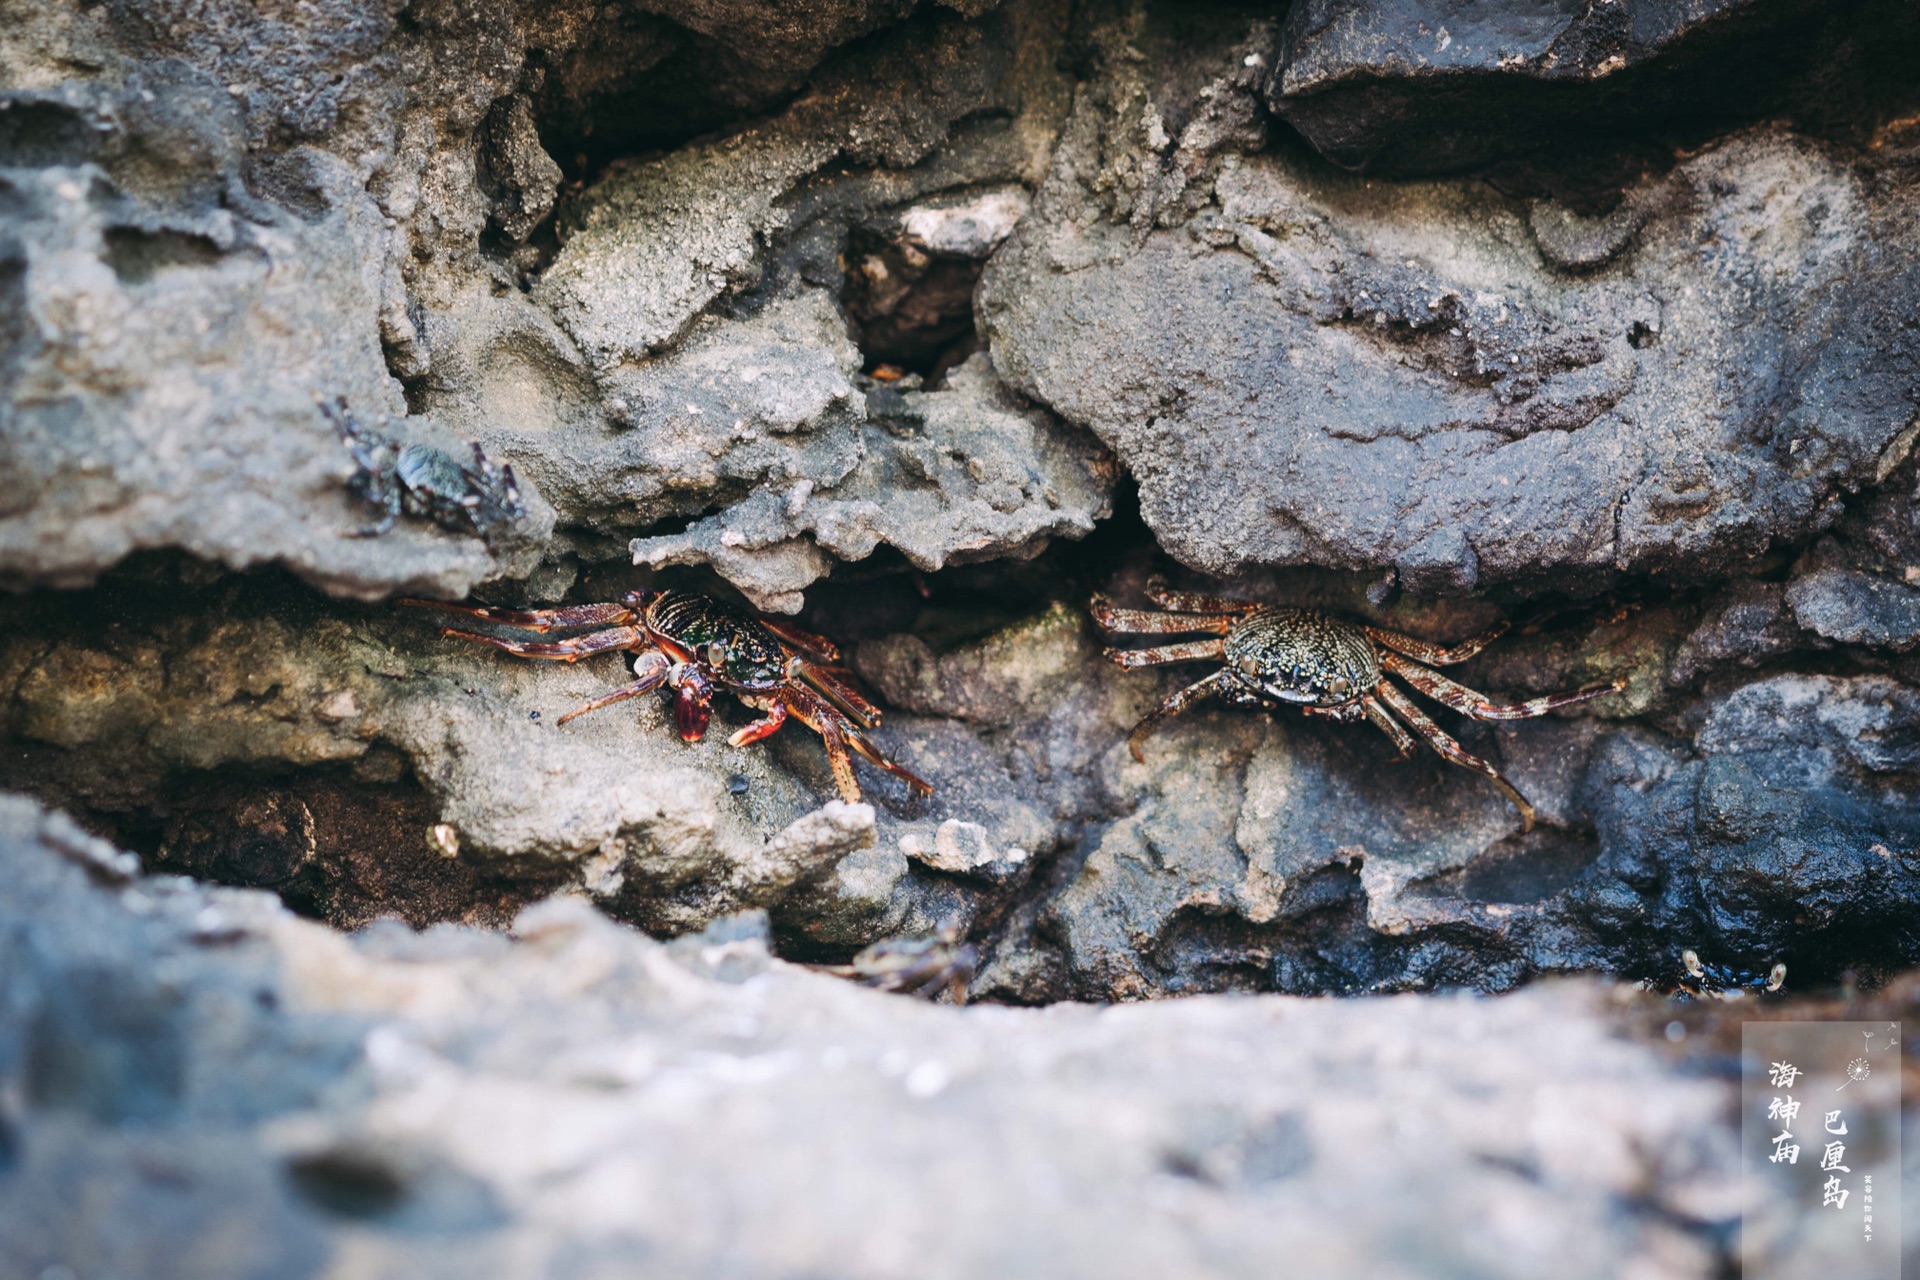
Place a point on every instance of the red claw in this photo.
(693, 706)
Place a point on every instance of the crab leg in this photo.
(1191, 651)
(807, 642)
(1176, 702)
(825, 721)
(1388, 725)
(1460, 698)
(764, 727)
(561, 650)
(871, 754)
(1140, 622)
(841, 738)
(651, 668)
(826, 682)
(580, 615)
(1433, 653)
(1451, 751)
(1197, 602)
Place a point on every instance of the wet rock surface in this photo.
(924, 324)
(200, 1084)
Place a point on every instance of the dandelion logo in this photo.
(1857, 1070)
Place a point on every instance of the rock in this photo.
(1790, 834)
(163, 370)
(397, 192)
(809, 846)
(1411, 87)
(516, 172)
(881, 314)
(1310, 372)
(1747, 623)
(579, 1093)
(428, 775)
(1856, 608)
(955, 475)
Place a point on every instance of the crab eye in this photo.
(716, 654)
(1340, 686)
(1250, 665)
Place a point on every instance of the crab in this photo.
(1324, 665)
(1704, 979)
(426, 482)
(694, 646)
(923, 966)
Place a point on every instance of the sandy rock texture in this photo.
(200, 1084)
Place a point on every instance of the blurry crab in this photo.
(425, 482)
(1324, 665)
(694, 645)
(923, 966)
(1705, 980)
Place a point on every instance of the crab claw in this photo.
(693, 705)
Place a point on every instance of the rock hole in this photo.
(42, 135)
(350, 1184)
(334, 847)
(1642, 335)
(137, 256)
(14, 316)
(912, 308)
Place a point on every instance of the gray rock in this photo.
(162, 372)
(1313, 371)
(1789, 834)
(950, 476)
(683, 343)
(1856, 608)
(1747, 623)
(288, 756)
(580, 1099)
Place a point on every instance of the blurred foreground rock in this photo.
(194, 1083)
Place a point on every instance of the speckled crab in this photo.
(694, 645)
(1324, 665)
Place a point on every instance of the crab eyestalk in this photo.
(693, 702)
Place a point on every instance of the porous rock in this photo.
(949, 476)
(1307, 369)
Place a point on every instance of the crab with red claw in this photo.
(695, 646)
(1322, 664)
